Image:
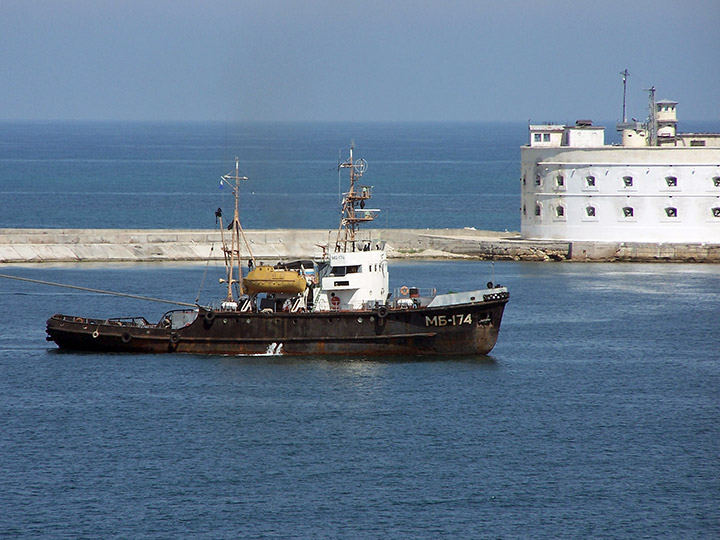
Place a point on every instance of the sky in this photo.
(362, 60)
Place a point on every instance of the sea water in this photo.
(597, 415)
(106, 175)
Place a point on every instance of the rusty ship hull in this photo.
(464, 329)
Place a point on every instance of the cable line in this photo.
(100, 291)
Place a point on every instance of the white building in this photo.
(657, 186)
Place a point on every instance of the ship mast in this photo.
(353, 205)
(232, 252)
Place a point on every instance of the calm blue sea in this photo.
(597, 414)
(92, 175)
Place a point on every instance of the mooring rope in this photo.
(100, 291)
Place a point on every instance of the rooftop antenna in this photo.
(624, 74)
(652, 119)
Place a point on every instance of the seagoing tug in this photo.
(338, 304)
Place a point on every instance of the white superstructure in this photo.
(354, 280)
(657, 186)
(354, 276)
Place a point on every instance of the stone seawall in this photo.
(115, 245)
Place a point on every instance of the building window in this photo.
(697, 143)
(538, 209)
(716, 211)
(537, 179)
(590, 181)
(524, 210)
(671, 212)
(560, 210)
(628, 181)
(671, 181)
(546, 137)
(628, 211)
(537, 137)
(560, 180)
(716, 181)
(590, 211)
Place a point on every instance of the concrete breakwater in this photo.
(142, 245)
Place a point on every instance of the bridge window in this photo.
(546, 137)
(343, 270)
(537, 137)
